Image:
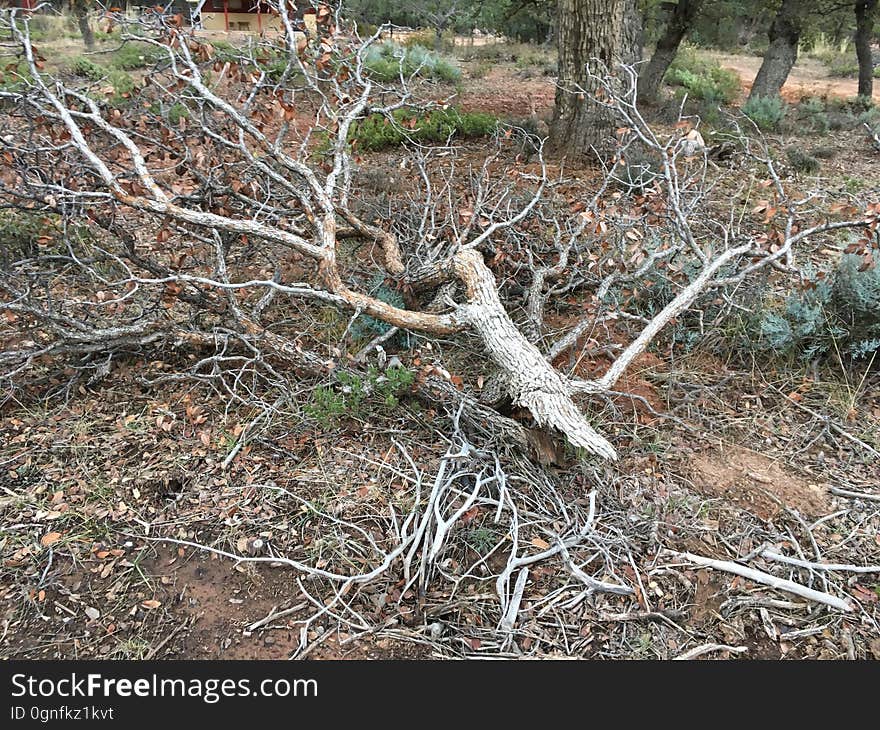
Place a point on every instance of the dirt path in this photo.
(809, 77)
(502, 91)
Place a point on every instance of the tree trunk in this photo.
(865, 10)
(607, 30)
(680, 17)
(785, 33)
(81, 11)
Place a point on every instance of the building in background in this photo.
(249, 16)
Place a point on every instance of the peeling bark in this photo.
(528, 378)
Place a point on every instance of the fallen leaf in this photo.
(50, 538)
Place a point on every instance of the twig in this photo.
(827, 420)
(773, 555)
(855, 495)
(759, 576)
(161, 645)
(706, 648)
(273, 615)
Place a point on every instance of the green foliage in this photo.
(377, 132)
(120, 80)
(480, 69)
(177, 112)
(366, 327)
(811, 112)
(802, 161)
(14, 77)
(732, 24)
(87, 68)
(123, 84)
(382, 390)
(389, 388)
(844, 65)
(224, 51)
(388, 60)
(482, 539)
(134, 55)
(428, 38)
(703, 78)
(767, 112)
(834, 310)
(19, 233)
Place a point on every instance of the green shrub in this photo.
(353, 393)
(386, 61)
(767, 112)
(703, 78)
(481, 69)
(87, 68)
(390, 387)
(844, 65)
(20, 233)
(835, 310)
(177, 112)
(377, 132)
(14, 76)
(428, 39)
(134, 55)
(812, 112)
(802, 161)
(123, 84)
(824, 152)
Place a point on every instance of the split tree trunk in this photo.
(607, 30)
(680, 18)
(526, 376)
(865, 13)
(785, 33)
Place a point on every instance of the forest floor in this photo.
(714, 458)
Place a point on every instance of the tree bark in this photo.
(680, 17)
(526, 376)
(81, 11)
(865, 11)
(609, 31)
(785, 33)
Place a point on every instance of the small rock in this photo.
(93, 613)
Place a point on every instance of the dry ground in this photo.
(723, 460)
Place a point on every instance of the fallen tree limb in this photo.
(854, 495)
(707, 648)
(779, 558)
(759, 576)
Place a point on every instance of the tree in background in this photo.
(785, 35)
(731, 24)
(438, 15)
(531, 21)
(607, 31)
(80, 10)
(865, 16)
(680, 18)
